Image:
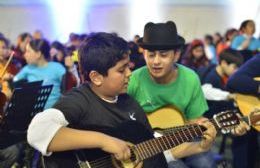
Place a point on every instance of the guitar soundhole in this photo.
(133, 156)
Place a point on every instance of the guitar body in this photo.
(166, 117)
(247, 104)
(130, 131)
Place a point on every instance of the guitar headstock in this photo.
(226, 121)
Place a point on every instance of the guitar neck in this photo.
(188, 126)
(154, 146)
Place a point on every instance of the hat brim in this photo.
(149, 46)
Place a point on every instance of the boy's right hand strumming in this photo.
(118, 147)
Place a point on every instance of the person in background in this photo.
(245, 81)
(217, 38)
(38, 68)
(58, 53)
(210, 49)
(37, 35)
(136, 38)
(136, 58)
(22, 41)
(229, 36)
(246, 40)
(195, 56)
(215, 80)
(10, 154)
(11, 70)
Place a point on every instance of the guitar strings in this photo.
(101, 162)
(107, 159)
(104, 161)
(98, 163)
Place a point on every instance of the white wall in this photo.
(192, 21)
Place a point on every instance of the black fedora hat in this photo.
(161, 36)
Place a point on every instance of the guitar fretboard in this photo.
(152, 147)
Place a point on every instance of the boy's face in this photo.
(229, 69)
(116, 81)
(160, 63)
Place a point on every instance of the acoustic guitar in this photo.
(164, 117)
(144, 146)
(246, 104)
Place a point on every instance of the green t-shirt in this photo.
(185, 92)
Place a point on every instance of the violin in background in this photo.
(6, 71)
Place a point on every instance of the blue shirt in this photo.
(51, 74)
(238, 40)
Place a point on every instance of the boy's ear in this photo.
(177, 54)
(96, 78)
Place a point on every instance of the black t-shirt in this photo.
(83, 109)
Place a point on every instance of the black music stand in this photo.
(28, 84)
(24, 104)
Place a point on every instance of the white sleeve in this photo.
(214, 94)
(43, 127)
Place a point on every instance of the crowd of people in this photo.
(102, 81)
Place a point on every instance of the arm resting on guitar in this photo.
(48, 133)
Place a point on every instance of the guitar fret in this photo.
(153, 150)
(168, 142)
(146, 150)
(176, 138)
(164, 143)
(143, 150)
(157, 145)
(146, 147)
(182, 140)
(191, 136)
(183, 132)
(139, 152)
(160, 145)
(194, 129)
(172, 141)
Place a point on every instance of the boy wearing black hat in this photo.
(163, 82)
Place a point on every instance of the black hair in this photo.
(25, 35)
(101, 51)
(41, 45)
(231, 56)
(209, 38)
(59, 46)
